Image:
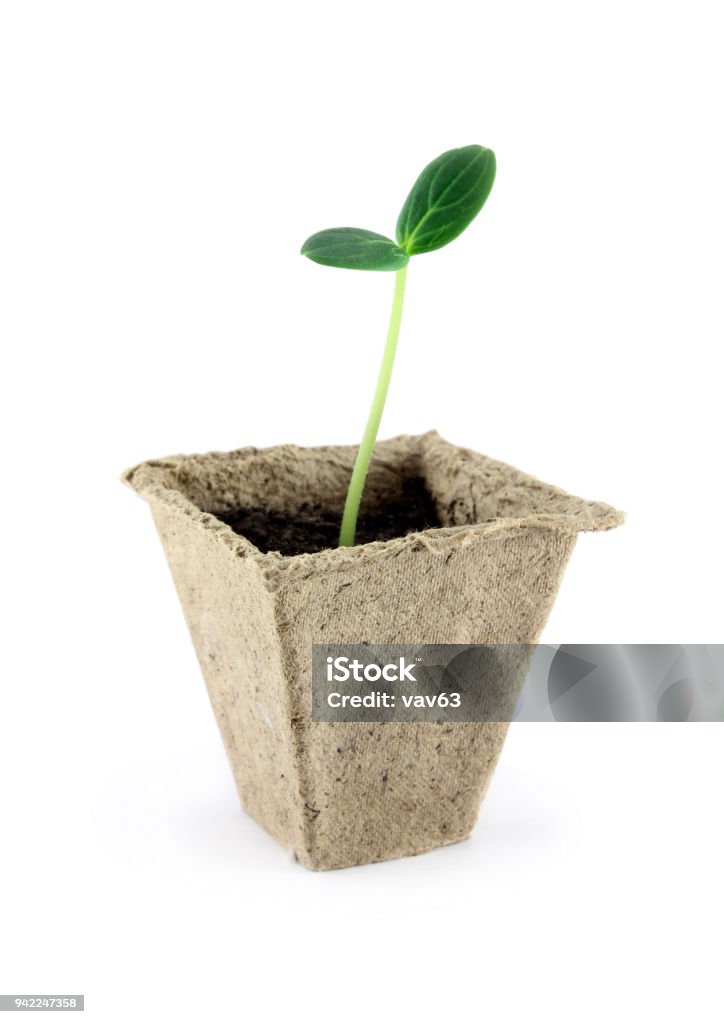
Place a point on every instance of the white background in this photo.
(162, 163)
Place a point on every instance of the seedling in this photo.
(447, 196)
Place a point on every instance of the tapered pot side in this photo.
(340, 794)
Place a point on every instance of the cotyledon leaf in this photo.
(354, 249)
(447, 196)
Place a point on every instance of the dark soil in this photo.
(315, 529)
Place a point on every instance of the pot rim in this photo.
(157, 481)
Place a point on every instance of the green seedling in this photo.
(447, 196)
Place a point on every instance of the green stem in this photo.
(359, 474)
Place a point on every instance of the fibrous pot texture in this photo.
(486, 572)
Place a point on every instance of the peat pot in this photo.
(250, 539)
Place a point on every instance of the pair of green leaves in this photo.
(447, 196)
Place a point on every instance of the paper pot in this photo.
(340, 794)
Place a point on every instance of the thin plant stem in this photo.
(362, 462)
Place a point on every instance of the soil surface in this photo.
(315, 529)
